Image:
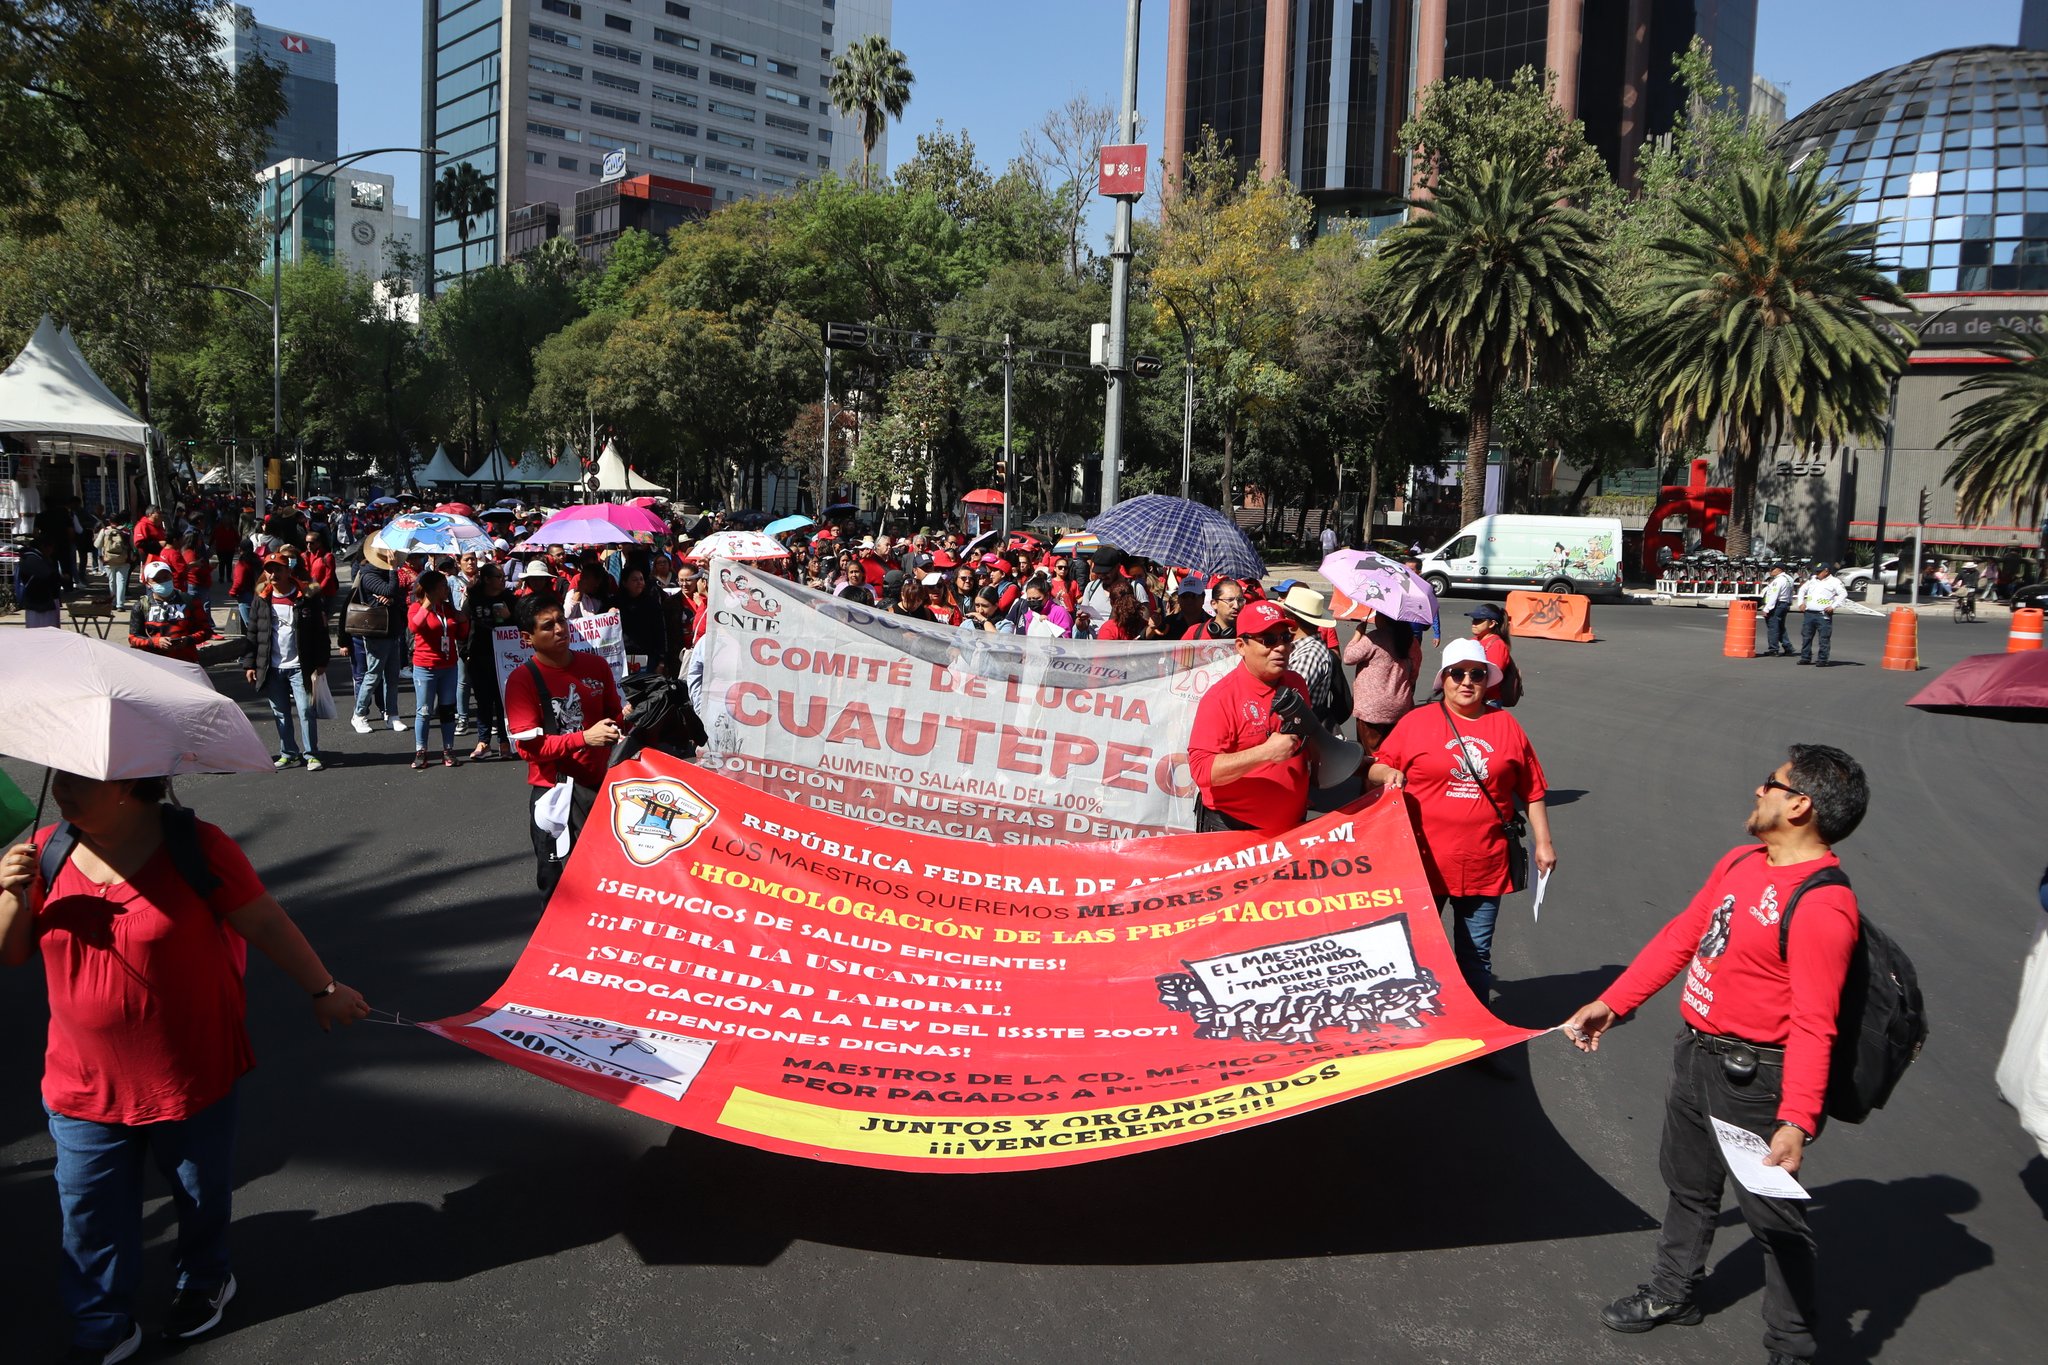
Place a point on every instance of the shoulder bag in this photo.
(1512, 827)
(370, 620)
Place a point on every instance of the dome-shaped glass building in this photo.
(1951, 154)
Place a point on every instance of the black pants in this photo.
(490, 707)
(1695, 1172)
(548, 869)
(1209, 821)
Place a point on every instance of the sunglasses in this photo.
(1471, 675)
(1273, 639)
(1772, 783)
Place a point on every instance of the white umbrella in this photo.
(737, 545)
(85, 706)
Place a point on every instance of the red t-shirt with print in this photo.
(1463, 849)
(145, 987)
(1236, 714)
(583, 694)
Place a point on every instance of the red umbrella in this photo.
(1995, 686)
(460, 509)
(984, 495)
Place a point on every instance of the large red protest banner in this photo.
(887, 720)
(724, 961)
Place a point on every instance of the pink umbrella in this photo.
(616, 514)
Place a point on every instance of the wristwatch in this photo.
(1782, 1123)
(326, 990)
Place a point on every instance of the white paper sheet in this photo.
(1536, 904)
(1744, 1152)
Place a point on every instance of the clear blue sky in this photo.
(994, 68)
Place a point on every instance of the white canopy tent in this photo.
(614, 477)
(50, 392)
(441, 471)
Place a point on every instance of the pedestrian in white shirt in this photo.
(1777, 606)
(1818, 599)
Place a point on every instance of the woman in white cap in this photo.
(1464, 765)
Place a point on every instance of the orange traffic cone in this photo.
(2026, 630)
(1902, 640)
(1740, 640)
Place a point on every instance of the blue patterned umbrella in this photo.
(1179, 533)
(432, 533)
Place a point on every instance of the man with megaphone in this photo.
(1255, 736)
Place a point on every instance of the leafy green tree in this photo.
(1463, 121)
(2002, 437)
(122, 103)
(869, 80)
(464, 195)
(1224, 281)
(895, 457)
(1759, 325)
(632, 259)
(481, 335)
(1498, 284)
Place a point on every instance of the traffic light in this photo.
(1923, 507)
(846, 336)
(1147, 366)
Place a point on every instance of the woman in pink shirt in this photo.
(439, 632)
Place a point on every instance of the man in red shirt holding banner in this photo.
(1246, 760)
(562, 710)
(1756, 1042)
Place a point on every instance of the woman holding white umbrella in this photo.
(127, 902)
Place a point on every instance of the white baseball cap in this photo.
(153, 568)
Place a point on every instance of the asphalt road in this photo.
(405, 1200)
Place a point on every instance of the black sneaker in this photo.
(1642, 1310)
(105, 1355)
(195, 1312)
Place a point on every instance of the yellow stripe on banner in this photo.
(976, 1136)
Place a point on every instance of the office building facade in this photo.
(350, 218)
(1317, 90)
(730, 95)
(309, 128)
(1313, 89)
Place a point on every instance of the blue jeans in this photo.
(1823, 623)
(462, 688)
(100, 1168)
(1774, 629)
(289, 696)
(433, 693)
(117, 584)
(243, 606)
(1472, 920)
(382, 660)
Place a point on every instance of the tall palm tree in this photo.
(1759, 324)
(2003, 436)
(1495, 282)
(464, 195)
(870, 79)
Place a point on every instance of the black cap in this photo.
(893, 579)
(1487, 611)
(1108, 556)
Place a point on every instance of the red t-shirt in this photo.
(437, 638)
(1726, 943)
(1463, 850)
(1237, 714)
(583, 695)
(145, 986)
(1497, 654)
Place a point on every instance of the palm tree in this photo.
(1759, 325)
(463, 194)
(1496, 281)
(870, 79)
(2004, 436)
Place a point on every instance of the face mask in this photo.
(162, 589)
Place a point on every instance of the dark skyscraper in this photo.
(1314, 89)
(309, 128)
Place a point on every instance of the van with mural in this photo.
(1554, 554)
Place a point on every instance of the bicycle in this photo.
(1966, 604)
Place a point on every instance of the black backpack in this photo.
(1881, 1024)
(181, 840)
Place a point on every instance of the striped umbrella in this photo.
(1077, 543)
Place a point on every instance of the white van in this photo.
(1554, 554)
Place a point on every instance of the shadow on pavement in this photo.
(2034, 1179)
(1884, 1246)
(1365, 1184)
(1547, 1001)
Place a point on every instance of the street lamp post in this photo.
(279, 220)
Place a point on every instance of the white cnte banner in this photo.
(1002, 738)
(599, 634)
